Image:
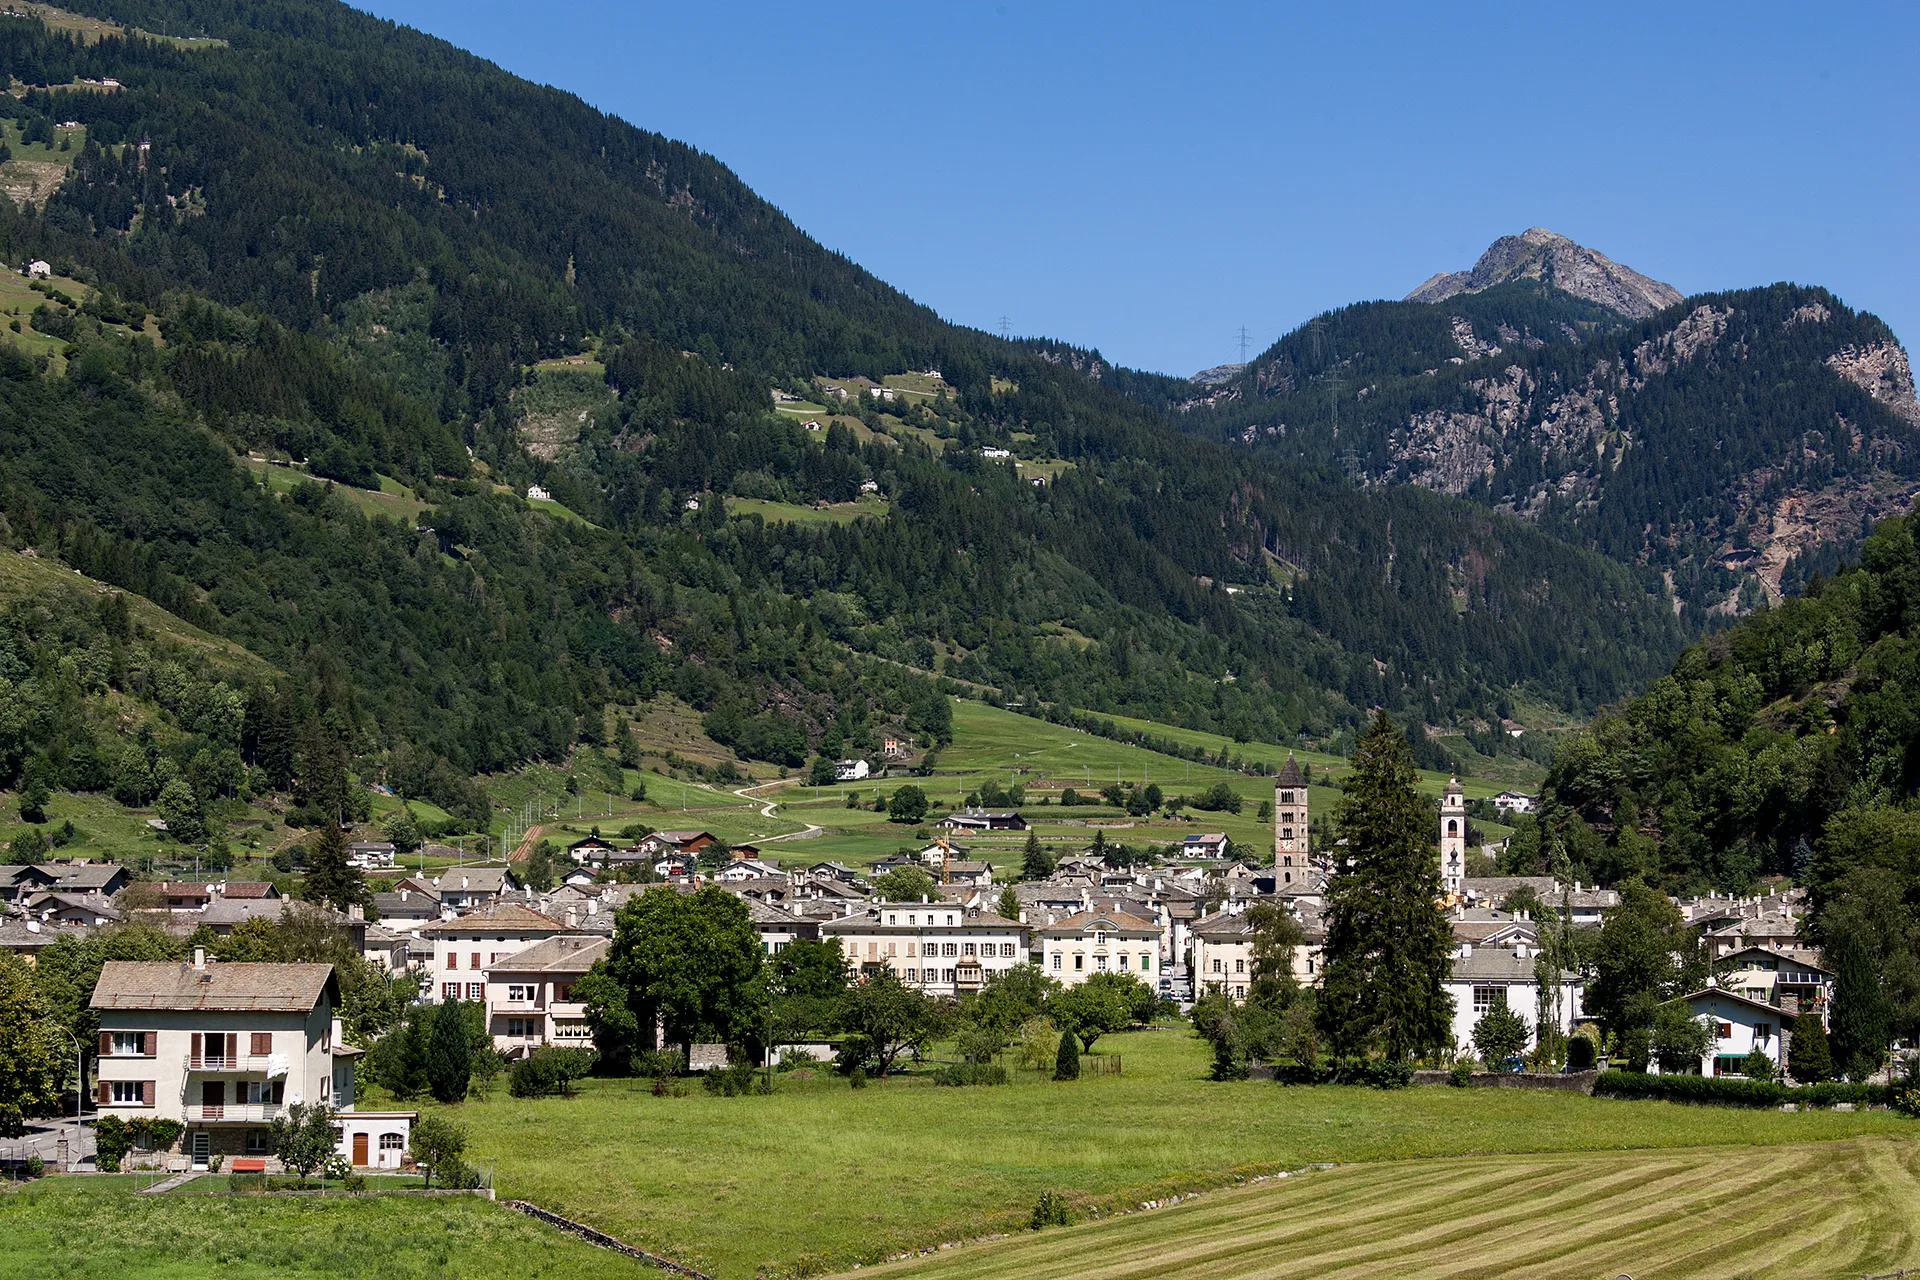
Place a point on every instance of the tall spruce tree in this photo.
(1862, 1020)
(449, 1053)
(1387, 944)
(1038, 864)
(329, 877)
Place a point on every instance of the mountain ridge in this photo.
(1547, 256)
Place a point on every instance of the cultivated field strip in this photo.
(1833, 1209)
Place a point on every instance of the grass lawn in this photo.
(97, 1226)
(803, 513)
(1827, 1209)
(393, 499)
(822, 1176)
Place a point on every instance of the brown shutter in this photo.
(196, 1045)
(146, 1093)
(106, 1043)
(150, 1044)
(103, 1093)
(262, 1043)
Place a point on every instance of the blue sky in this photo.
(1147, 178)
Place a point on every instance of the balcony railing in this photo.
(226, 1061)
(255, 1112)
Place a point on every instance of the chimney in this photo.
(1466, 950)
(404, 894)
(593, 906)
(200, 958)
(573, 917)
(357, 913)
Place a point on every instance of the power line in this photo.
(1244, 338)
(1006, 327)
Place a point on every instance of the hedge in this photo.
(1735, 1093)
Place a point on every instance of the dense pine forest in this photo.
(339, 243)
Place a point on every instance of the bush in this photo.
(971, 1073)
(35, 1165)
(730, 1082)
(1907, 1102)
(1381, 1073)
(355, 1182)
(1462, 1074)
(1758, 1066)
(1710, 1091)
(1581, 1053)
(857, 1077)
(337, 1167)
(1066, 1061)
(547, 1071)
(1051, 1210)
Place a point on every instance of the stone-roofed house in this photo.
(1482, 977)
(460, 950)
(464, 888)
(777, 928)
(21, 881)
(529, 995)
(942, 948)
(1100, 940)
(222, 1048)
(85, 909)
(27, 938)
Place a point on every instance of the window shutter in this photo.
(104, 1093)
(197, 1040)
(146, 1093)
(150, 1044)
(262, 1043)
(106, 1043)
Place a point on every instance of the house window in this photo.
(326, 1087)
(948, 978)
(476, 961)
(1724, 1030)
(449, 991)
(262, 1044)
(1146, 962)
(476, 991)
(128, 1093)
(1099, 939)
(1239, 966)
(1079, 962)
(913, 975)
(894, 920)
(523, 1026)
(949, 922)
(1217, 966)
(128, 1044)
(392, 1142)
(1100, 963)
(966, 948)
(890, 947)
(1056, 959)
(1762, 1032)
(1485, 998)
(453, 959)
(1286, 797)
(951, 949)
(257, 1142)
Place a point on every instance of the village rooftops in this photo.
(214, 986)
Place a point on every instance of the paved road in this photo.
(767, 808)
(52, 1141)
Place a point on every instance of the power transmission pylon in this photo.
(1244, 338)
(1006, 327)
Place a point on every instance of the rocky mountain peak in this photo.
(1540, 254)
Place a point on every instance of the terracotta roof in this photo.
(508, 917)
(281, 988)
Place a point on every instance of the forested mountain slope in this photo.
(1734, 442)
(1789, 744)
(359, 255)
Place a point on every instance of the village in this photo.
(219, 1049)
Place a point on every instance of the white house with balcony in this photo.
(529, 995)
(222, 1048)
(1739, 1024)
(942, 948)
(1508, 976)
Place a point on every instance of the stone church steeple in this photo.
(1453, 837)
(1289, 816)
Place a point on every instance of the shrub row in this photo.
(971, 1073)
(1736, 1093)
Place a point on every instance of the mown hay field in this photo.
(820, 1176)
(1837, 1209)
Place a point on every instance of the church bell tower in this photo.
(1453, 838)
(1289, 817)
